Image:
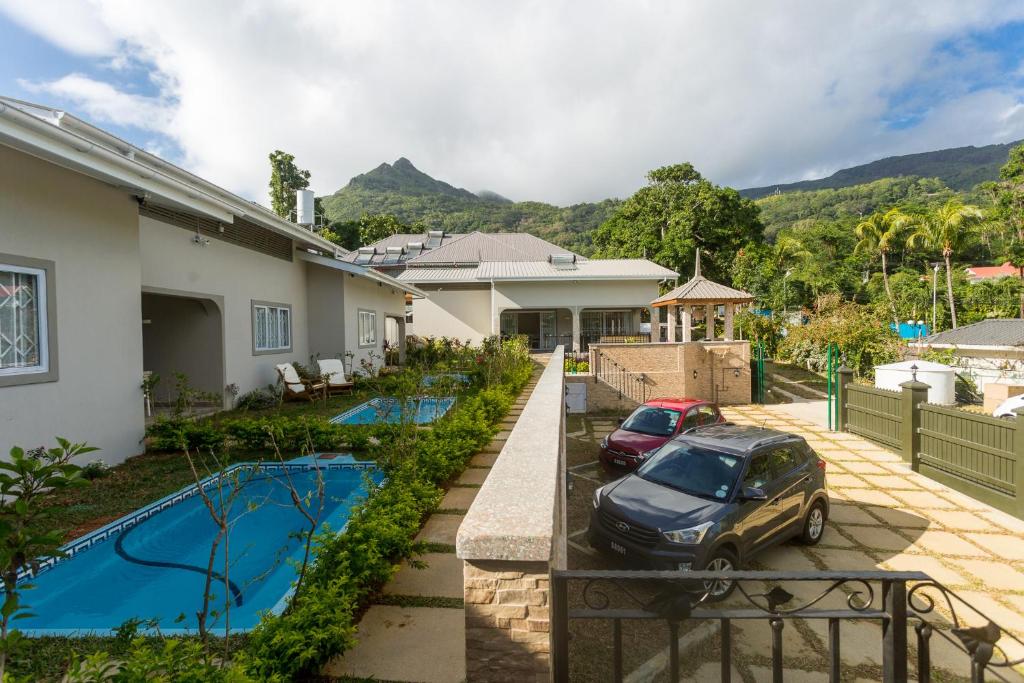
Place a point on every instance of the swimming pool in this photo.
(453, 377)
(379, 410)
(152, 563)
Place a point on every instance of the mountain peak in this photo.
(403, 163)
(402, 178)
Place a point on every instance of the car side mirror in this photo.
(752, 493)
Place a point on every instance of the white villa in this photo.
(480, 284)
(114, 262)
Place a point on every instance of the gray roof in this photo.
(595, 269)
(480, 247)
(399, 240)
(702, 289)
(995, 332)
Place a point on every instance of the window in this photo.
(691, 420)
(24, 331)
(784, 460)
(271, 327)
(367, 328)
(708, 414)
(691, 469)
(653, 421)
(760, 472)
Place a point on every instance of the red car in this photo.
(651, 425)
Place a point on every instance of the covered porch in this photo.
(576, 327)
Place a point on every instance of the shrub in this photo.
(179, 434)
(295, 434)
(258, 399)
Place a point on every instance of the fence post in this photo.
(845, 377)
(914, 393)
(1018, 466)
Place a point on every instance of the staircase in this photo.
(627, 384)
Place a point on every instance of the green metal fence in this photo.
(874, 414)
(977, 450)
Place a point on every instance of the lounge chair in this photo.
(297, 388)
(333, 370)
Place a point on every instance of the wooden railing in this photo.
(874, 414)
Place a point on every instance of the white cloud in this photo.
(73, 25)
(558, 101)
(104, 103)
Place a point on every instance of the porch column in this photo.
(576, 346)
(672, 323)
(687, 323)
(728, 321)
(709, 322)
(401, 340)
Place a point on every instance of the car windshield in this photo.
(653, 421)
(692, 469)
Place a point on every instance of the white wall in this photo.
(172, 263)
(459, 313)
(90, 231)
(584, 293)
(368, 295)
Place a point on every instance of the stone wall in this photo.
(601, 398)
(511, 538)
(715, 371)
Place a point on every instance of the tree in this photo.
(285, 179)
(947, 229)
(878, 234)
(1008, 198)
(676, 213)
(375, 228)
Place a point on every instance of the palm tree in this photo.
(947, 229)
(878, 234)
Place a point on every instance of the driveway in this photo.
(883, 516)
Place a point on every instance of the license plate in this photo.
(619, 461)
(621, 550)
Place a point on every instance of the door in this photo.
(548, 335)
(789, 469)
(576, 397)
(756, 515)
(691, 420)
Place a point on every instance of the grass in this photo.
(419, 601)
(802, 382)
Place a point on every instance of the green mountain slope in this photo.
(414, 197)
(960, 168)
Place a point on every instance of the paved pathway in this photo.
(416, 631)
(883, 516)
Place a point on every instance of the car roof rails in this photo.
(691, 430)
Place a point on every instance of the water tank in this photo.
(941, 379)
(304, 207)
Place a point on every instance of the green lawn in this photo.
(800, 379)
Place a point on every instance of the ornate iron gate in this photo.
(897, 600)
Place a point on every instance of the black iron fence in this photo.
(900, 602)
(630, 384)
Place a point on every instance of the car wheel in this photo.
(721, 561)
(814, 524)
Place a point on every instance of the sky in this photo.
(554, 100)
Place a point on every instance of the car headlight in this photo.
(647, 454)
(597, 497)
(604, 442)
(692, 536)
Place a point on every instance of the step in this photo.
(459, 498)
(440, 529)
(441, 578)
(485, 458)
(473, 475)
(424, 644)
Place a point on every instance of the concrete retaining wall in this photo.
(512, 536)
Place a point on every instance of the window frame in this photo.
(371, 341)
(268, 306)
(46, 315)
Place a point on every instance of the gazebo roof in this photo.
(700, 290)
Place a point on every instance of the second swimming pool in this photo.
(377, 410)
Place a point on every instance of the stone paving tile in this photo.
(473, 475)
(847, 481)
(1004, 545)
(834, 538)
(963, 502)
(890, 482)
(1004, 520)
(877, 537)
(944, 543)
(850, 514)
(458, 498)
(924, 499)
(440, 529)
(864, 467)
(905, 518)
(441, 578)
(789, 675)
(929, 565)
(845, 559)
(871, 497)
(484, 459)
(960, 520)
(991, 574)
(393, 642)
(986, 607)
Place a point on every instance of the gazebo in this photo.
(700, 292)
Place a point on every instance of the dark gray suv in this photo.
(711, 499)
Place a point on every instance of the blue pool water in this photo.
(156, 568)
(455, 377)
(377, 410)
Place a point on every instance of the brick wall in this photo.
(507, 623)
(722, 368)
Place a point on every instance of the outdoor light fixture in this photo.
(736, 372)
(695, 374)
